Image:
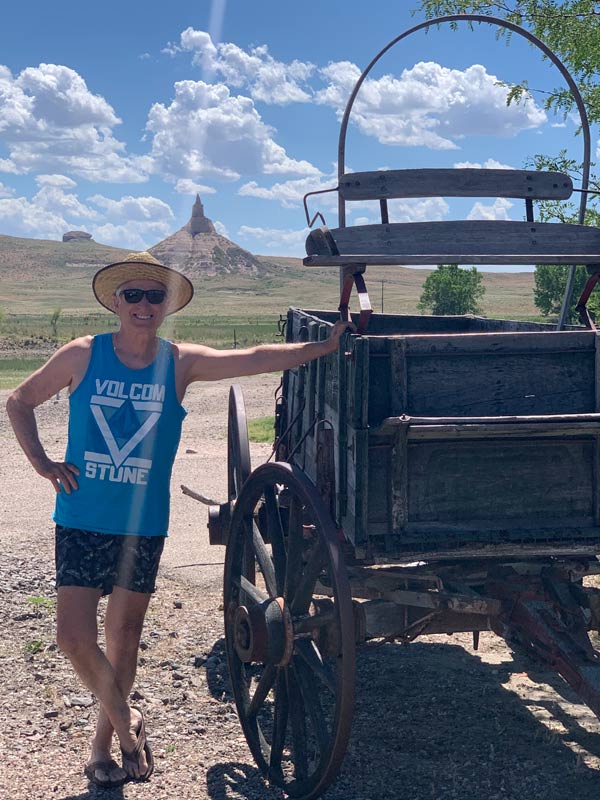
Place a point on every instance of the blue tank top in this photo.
(124, 430)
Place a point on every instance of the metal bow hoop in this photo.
(585, 128)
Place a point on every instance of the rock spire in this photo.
(198, 222)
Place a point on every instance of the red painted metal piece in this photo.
(351, 280)
(584, 314)
(544, 618)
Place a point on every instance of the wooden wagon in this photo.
(438, 474)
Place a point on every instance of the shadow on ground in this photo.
(433, 722)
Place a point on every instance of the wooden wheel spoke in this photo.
(298, 725)
(309, 653)
(312, 703)
(275, 529)
(280, 719)
(253, 592)
(306, 584)
(295, 548)
(265, 684)
(265, 561)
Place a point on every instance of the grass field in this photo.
(15, 370)
(40, 280)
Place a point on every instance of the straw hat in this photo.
(143, 267)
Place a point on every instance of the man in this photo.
(112, 505)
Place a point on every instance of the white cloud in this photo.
(134, 236)
(51, 122)
(6, 165)
(266, 79)
(279, 241)
(290, 193)
(221, 228)
(137, 209)
(20, 217)
(6, 191)
(207, 132)
(66, 204)
(490, 163)
(401, 210)
(497, 210)
(60, 181)
(429, 105)
(133, 222)
(187, 186)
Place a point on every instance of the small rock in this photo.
(177, 676)
(174, 635)
(65, 725)
(137, 695)
(83, 700)
(190, 451)
(143, 645)
(51, 714)
(177, 604)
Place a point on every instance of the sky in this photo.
(114, 114)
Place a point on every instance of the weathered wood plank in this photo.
(493, 431)
(399, 479)
(526, 342)
(487, 384)
(460, 241)
(433, 259)
(501, 482)
(398, 376)
(467, 182)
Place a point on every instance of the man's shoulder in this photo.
(82, 345)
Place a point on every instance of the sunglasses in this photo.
(155, 296)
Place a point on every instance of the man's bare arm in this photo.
(201, 363)
(56, 374)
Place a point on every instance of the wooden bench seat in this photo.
(458, 242)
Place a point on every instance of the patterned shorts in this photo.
(102, 560)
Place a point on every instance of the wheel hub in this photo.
(264, 633)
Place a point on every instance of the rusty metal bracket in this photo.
(581, 307)
(351, 279)
(310, 222)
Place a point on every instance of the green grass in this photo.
(261, 429)
(34, 646)
(14, 370)
(41, 602)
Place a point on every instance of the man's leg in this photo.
(77, 636)
(125, 614)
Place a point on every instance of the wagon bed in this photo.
(459, 434)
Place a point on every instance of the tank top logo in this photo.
(126, 416)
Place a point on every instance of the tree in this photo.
(452, 290)
(571, 29)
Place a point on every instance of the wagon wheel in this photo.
(238, 447)
(238, 459)
(291, 654)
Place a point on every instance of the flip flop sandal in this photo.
(106, 766)
(133, 757)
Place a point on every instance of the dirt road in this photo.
(434, 721)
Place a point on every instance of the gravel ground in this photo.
(433, 721)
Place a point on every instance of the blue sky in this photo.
(113, 115)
